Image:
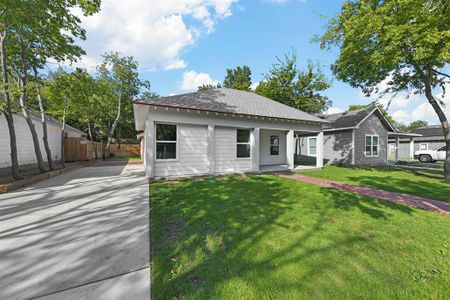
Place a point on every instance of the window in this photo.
(442, 148)
(423, 146)
(274, 145)
(166, 141)
(312, 146)
(243, 143)
(372, 145)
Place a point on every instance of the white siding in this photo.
(25, 147)
(264, 152)
(192, 153)
(225, 153)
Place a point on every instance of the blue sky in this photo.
(181, 44)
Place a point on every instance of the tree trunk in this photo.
(63, 133)
(8, 112)
(44, 123)
(113, 127)
(23, 105)
(445, 127)
(91, 138)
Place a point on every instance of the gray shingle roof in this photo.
(232, 101)
(432, 130)
(347, 119)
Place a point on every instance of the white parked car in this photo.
(427, 156)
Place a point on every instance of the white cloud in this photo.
(334, 110)
(254, 85)
(155, 32)
(192, 80)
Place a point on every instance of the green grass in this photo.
(423, 183)
(125, 158)
(265, 237)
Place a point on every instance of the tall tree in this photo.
(403, 44)
(300, 89)
(239, 78)
(121, 73)
(38, 30)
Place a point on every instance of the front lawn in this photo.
(424, 183)
(265, 237)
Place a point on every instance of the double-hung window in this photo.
(166, 141)
(274, 145)
(312, 146)
(372, 145)
(243, 147)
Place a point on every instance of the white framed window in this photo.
(166, 141)
(274, 145)
(372, 145)
(243, 145)
(423, 146)
(312, 146)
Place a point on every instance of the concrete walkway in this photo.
(404, 199)
(81, 235)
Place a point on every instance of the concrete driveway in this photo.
(81, 235)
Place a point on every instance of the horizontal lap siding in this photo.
(225, 152)
(25, 146)
(192, 153)
(338, 147)
(264, 155)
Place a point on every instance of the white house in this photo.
(25, 147)
(221, 131)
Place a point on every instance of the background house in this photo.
(221, 131)
(25, 146)
(425, 138)
(358, 137)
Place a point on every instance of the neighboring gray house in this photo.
(429, 138)
(221, 131)
(358, 137)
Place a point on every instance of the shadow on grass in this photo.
(248, 229)
(428, 183)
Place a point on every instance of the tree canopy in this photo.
(300, 89)
(391, 46)
(238, 78)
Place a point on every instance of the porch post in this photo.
(255, 149)
(319, 150)
(149, 155)
(411, 148)
(290, 149)
(211, 149)
(397, 145)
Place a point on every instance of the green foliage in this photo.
(239, 78)
(403, 43)
(300, 89)
(413, 125)
(205, 87)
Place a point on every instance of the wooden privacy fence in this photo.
(125, 150)
(80, 149)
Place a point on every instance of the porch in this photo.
(279, 149)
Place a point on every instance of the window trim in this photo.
(371, 145)
(270, 145)
(309, 145)
(161, 141)
(243, 143)
(420, 146)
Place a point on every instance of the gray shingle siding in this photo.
(371, 125)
